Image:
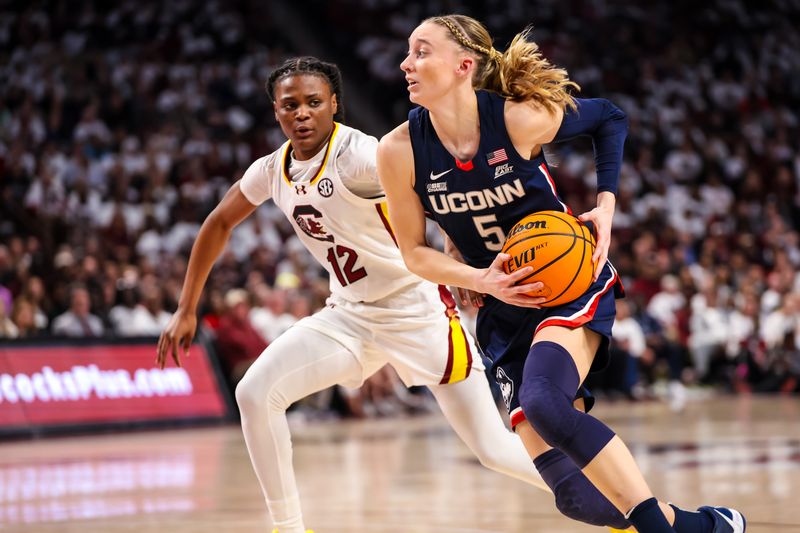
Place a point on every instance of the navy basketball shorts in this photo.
(505, 333)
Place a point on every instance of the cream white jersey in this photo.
(349, 235)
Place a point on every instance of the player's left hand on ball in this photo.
(601, 217)
(495, 281)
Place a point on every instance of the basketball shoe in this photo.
(725, 520)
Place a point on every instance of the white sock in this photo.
(286, 515)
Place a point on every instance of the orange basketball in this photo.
(559, 247)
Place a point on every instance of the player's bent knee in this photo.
(247, 397)
(552, 415)
(549, 411)
(253, 394)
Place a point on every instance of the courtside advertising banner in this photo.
(43, 386)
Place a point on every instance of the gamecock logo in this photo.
(309, 220)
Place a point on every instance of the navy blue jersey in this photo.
(478, 202)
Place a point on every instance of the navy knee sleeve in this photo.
(549, 382)
(576, 497)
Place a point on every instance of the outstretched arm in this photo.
(211, 240)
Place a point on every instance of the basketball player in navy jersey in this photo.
(472, 160)
(324, 179)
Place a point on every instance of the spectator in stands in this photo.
(300, 305)
(8, 330)
(34, 292)
(24, 318)
(666, 303)
(782, 322)
(78, 321)
(214, 309)
(661, 346)
(709, 331)
(271, 316)
(743, 324)
(127, 296)
(627, 347)
(6, 276)
(148, 318)
(238, 342)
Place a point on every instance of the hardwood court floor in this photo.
(392, 476)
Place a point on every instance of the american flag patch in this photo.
(498, 156)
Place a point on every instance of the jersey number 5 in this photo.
(493, 236)
(345, 274)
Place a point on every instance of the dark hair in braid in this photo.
(313, 66)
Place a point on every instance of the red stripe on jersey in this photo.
(552, 183)
(447, 298)
(449, 368)
(584, 315)
(385, 220)
(517, 417)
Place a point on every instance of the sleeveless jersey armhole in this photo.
(497, 110)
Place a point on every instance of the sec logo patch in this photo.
(325, 187)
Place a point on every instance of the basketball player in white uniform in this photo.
(324, 180)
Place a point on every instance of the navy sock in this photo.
(691, 522)
(576, 496)
(648, 518)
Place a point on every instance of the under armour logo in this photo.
(300, 189)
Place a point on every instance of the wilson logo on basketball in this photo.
(534, 224)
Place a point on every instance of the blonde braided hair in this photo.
(464, 41)
(520, 73)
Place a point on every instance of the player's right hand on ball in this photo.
(178, 333)
(495, 281)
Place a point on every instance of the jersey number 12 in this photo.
(346, 274)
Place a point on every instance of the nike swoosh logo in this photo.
(736, 527)
(435, 177)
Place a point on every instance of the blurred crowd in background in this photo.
(123, 124)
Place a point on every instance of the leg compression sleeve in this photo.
(550, 380)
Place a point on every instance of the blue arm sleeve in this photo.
(607, 125)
